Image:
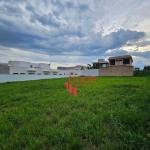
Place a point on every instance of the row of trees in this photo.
(95, 66)
(146, 68)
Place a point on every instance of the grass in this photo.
(112, 114)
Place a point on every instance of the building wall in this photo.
(26, 77)
(45, 66)
(34, 65)
(4, 69)
(116, 71)
(18, 77)
(19, 70)
(28, 64)
(86, 72)
(19, 63)
(119, 62)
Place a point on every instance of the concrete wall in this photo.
(19, 63)
(27, 64)
(18, 77)
(4, 69)
(19, 70)
(91, 72)
(26, 77)
(45, 66)
(66, 72)
(116, 71)
(15, 69)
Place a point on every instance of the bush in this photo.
(141, 73)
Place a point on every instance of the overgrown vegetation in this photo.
(146, 68)
(112, 114)
(141, 73)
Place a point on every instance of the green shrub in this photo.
(141, 73)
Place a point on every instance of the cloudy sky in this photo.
(74, 32)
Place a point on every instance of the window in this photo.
(15, 73)
(46, 73)
(126, 61)
(116, 60)
(112, 62)
(104, 65)
(31, 73)
(39, 73)
(60, 74)
(22, 73)
(120, 60)
(30, 66)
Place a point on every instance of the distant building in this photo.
(4, 68)
(117, 66)
(137, 68)
(101, 63)
(21, 67)
(121, 60)
(77, 67)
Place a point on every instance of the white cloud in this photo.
(48, 30)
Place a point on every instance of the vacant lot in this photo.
(112, 114)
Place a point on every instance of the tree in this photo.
(146, 68)
(89, 66)
(96, 65)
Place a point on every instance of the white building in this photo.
(77, 67)
(21, 67)
(27, 68)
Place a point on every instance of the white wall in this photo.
(26, 77)
(34, 65)
(67, 72)
(18, 77)
(19, 63)
(19, 70)
(27, 64)
(45, 66)
(91, 72)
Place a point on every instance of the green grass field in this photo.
(112, 114)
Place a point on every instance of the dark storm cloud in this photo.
(46, 20)
(80, 7)
(114, 40)
(141, 54)
(119, 52)
(19, 40)
(62, 27)
(70, 4)
(121, 37)
(10, 9)
(84, 7)
(58, 41)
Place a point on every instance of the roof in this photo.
(104, 62)
(26, 62)
(119, 57)
(72, 67)
(3, 64)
